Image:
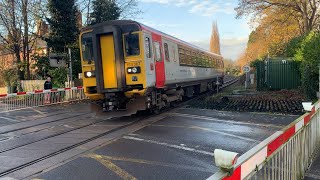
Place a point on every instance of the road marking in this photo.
(224, 121)
(210, 130)
(9, 119)
(7, 178)
(39, 112)
(142, 161)
(114, 168)
(170, 145)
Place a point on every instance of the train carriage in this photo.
(127, 63)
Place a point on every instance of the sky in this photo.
(191, 21)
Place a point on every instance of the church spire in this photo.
(215, 39)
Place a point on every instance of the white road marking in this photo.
(8, 119)
(224, 121)
(170, 145)
(211, 130)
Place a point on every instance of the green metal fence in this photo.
(278, 74)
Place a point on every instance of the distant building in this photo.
(79, 19)
(215, 40)
(42, 28)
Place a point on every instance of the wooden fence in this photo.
(31, 85)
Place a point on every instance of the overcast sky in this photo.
(191, 21)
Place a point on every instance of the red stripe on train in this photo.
(21, 93)
(3, 95)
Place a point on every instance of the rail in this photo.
(23, 100)
(286, 154)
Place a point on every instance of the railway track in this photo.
(44, 130)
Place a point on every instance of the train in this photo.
(126, 63)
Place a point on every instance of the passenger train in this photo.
(126, 63)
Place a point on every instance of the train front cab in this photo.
(113, 64)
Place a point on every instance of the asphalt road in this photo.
(178, 144)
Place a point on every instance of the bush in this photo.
(59, 77)
(294, 45)
(10, 77)
(309, 54)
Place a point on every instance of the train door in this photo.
(149, 61)
(108, 61)
(159, 60)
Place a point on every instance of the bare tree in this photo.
(128, 8)
(17, 21)
(307, 11)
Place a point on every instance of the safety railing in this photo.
(286, 154)
(22, 100)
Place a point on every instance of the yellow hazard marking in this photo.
(114, 168)
(38, 111)
(155, 163)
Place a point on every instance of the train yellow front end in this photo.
(113, 64)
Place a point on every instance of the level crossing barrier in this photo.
(22, 100)
(286, 154)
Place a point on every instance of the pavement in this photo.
(314, 171)
(179, 145)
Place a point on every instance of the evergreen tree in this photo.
(63, 24)
(104, 10)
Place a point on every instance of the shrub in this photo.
(59, 77)
(309, 54)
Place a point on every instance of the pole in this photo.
(247, 80)
(70, 68)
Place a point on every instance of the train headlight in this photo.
(134, 70)
(89, 74)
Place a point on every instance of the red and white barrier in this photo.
(284, 155)
(21, 100)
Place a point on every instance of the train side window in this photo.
(182, 56)
(157, 51)
(213, 62)
(188, 57)
(166, 51)
(148, 47)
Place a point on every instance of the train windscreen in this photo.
(87, 49)
(132, 47)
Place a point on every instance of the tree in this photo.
(215, 40)
(127, 9)
(104, 10)
(63, 24)
(17, 18)
(11, 28)
(306, 12)
(271, 36)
